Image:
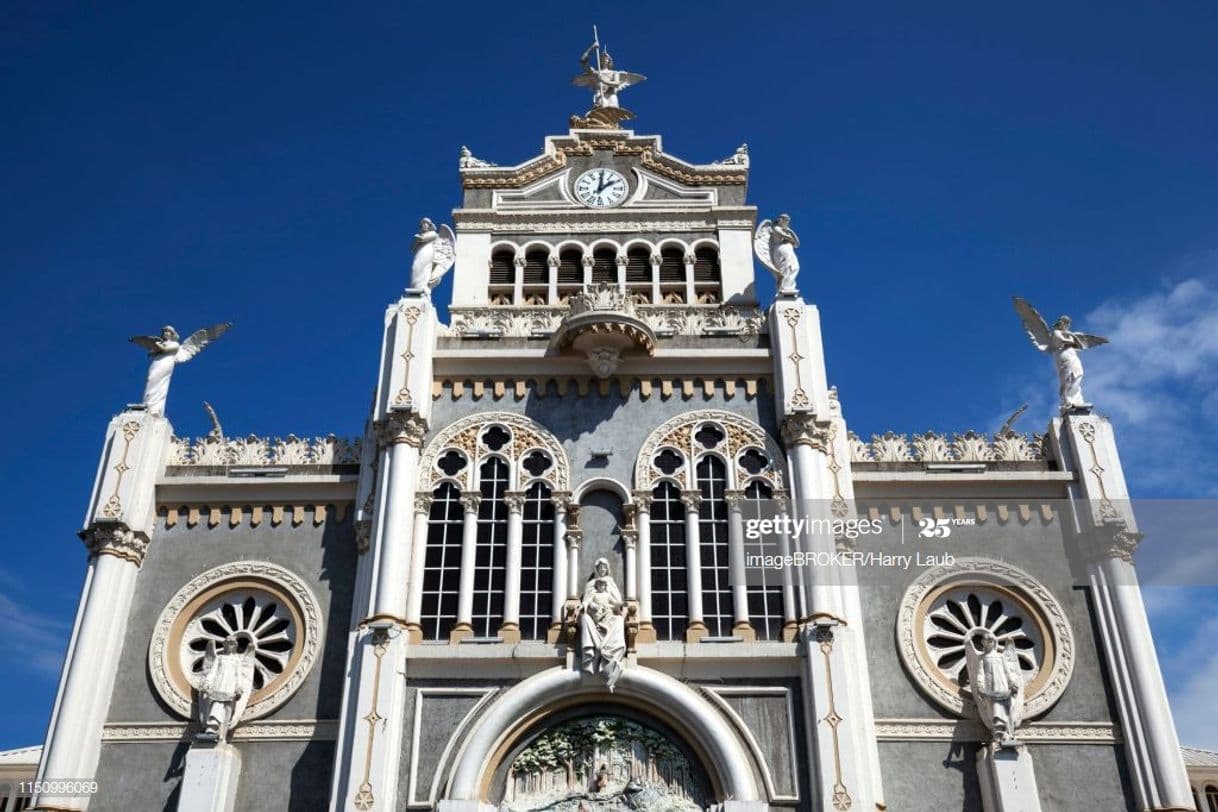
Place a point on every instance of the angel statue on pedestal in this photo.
(224, 689)
(996, 681)
(1064, 343)
(606, 82)
(775, 244)
(434, 253)
(166, 353)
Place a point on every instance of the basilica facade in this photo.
(607, 541)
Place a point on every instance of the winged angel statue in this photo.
(434, 253)
(224, 687)
(1065, 344)
(996, 682)
(606, 81)
(166, 353)
(775, 244)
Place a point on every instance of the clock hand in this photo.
(602, 182)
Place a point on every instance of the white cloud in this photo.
(33, 640)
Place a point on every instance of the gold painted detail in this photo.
(412, 318)
(799, 398)
(114, 505)
(823, 635)
(364, 799)
(235, 515)
(1087, 430)
(584, 386)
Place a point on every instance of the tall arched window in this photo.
(604, 265)
(536, 276)
(490, 553)
(765, 584)
(503, 276)
(669, 601)
(672, 274)
(537, 563)
(570, 272)
(442, 563)
(707, 279)
(638, 272)
(713, 547)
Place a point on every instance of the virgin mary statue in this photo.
(601, 626)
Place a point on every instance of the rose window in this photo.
(964, 617)
(254, 620)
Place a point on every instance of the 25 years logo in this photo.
(930, 528)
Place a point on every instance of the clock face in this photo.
(601, 188)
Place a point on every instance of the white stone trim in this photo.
(716, 694)
(309, 641)
(464, 436)
(412, 801)
(986, 572)
(969, 730)
(274, 730)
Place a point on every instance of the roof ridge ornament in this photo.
(606, 82)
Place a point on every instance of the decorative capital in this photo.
(1112, 540)
(422, 503)
(735, 500)
(782, 501)
(471, 501)
(642, 500)
(803, 429)
(560, 499)
(514, 500)
(630, 537)
(630, 513)
(518, 262)
(574, 537)
(116, 539)
(363, 536)
(691, 499)
(401, 427)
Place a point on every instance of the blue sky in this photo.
(267, 164)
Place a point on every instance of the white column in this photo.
(1104, 517)
(690, 296)
(470, 500)
(418, 563)
(518, 281)
(693, 565)
(510, 630)
(559, 583)
(790, 607)
(736, 571)
(574, 537)
(656, 296)
(642, 522)
(552, 287)
(402, 437)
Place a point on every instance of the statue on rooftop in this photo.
(435, 251)
(1064, 344)
(775, 244)
(606, 82)
(166, 353)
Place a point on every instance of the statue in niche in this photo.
(435, 251)
(1064, 344)
(996, 681)
(775, 244)
(224, 689)
(602, 625)
(166, 353)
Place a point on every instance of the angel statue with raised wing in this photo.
(606, 82)
(434, 253)
(224, 689)
(775, 244)
(1065, 344)
(996, 681)
(166, 353)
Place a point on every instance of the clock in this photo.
(601, 188)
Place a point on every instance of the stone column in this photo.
(1108, 536)
(741, 626)
(559, 582)
(642, 520)
(574, 537)
(418, 564)
(401, 437)
(510, 630)
(463, 628)
(118, 528)
(790, 606)
(692, 500)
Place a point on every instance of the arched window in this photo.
(503, 276)
(604, 265)
(672, 274)
(707, 276)
(669, 602)
(765, 597)
(1211, 797)
(536, 276)
(638, 272)
(570, 272)
(713, 547)
(442, 563)
(490, 554)
(537, 563)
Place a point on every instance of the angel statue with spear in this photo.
(606, 82)
(1064, 344)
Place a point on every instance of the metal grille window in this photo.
(503, 269)
(669, 600)
(604, 265)
(442, 563)
(713, 546)
(490, 552)
(765, 598)
(536, 563)
(672, 266)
